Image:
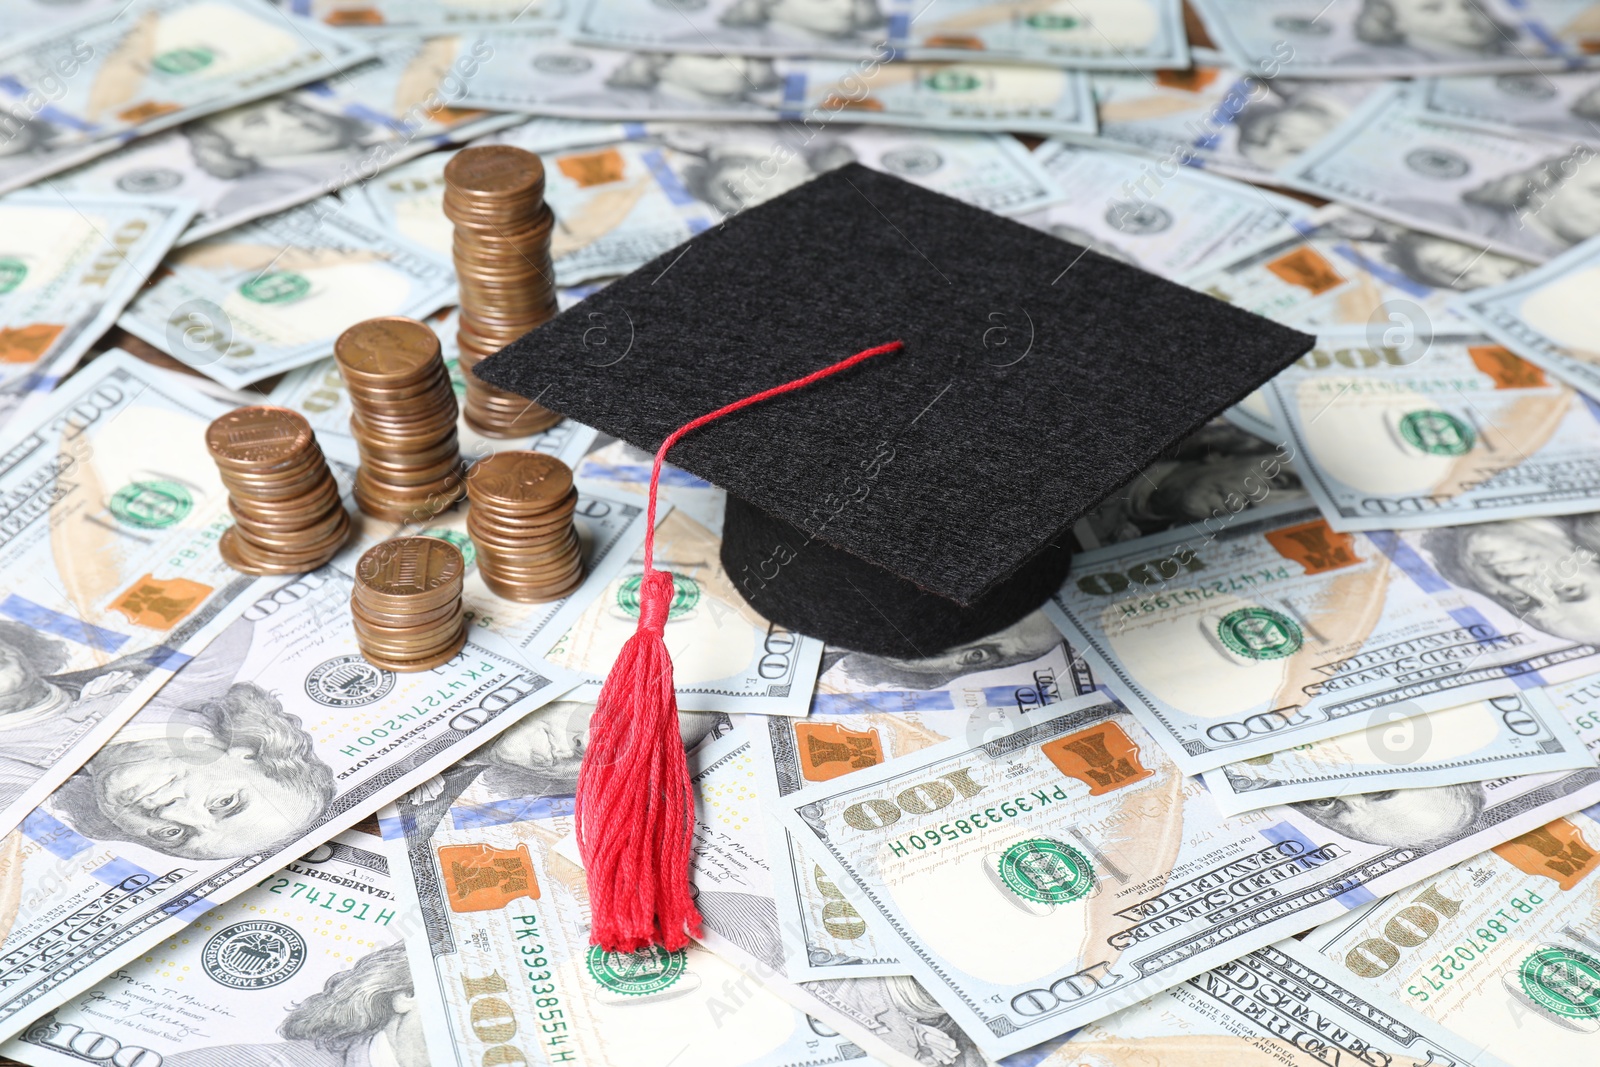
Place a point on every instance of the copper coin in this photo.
(249, 545)
(530, 594)
(307, 529)
(520, 481)
(404, 511)
(410, 640)
(410, 571)
(507, 563)
(494, 172)
(403, 666)
(258, 436)
(236, 554)
(387, 352)
(382, 619)
(416, 640)
(516, 533)
(512, 538)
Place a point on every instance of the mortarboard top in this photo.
(919, 499)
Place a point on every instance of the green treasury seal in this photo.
(650, 970)
(1046, 871)
(151, 505)
(1260, 633)
(1437, 433)
(685, 595)
(1562, 981)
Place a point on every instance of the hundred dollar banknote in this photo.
(427, 14)
(1340, 275)
(1217, 117)
(1278, 1006)
(275, 737)
(1401, 38)
(263, 157)
(308, 961)
(890, 1016)
(1219, 466)
(1547, 315)
(24, 20)
(1251, 633)
(1085, 34)
(641, 190)
(82, 90)
(1511, 735)
(505, 971)
(1527, 195)
(542, 73)
(276, 293)
(1168, 226)
(68, 266)
(1565, 105)
(1101, 875)
(868, 710)
(1501, 950)
(110, 579)
(1467, 432)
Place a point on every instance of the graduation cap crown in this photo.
(896, 507)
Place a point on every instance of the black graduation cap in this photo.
(921, 498)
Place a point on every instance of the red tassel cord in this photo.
(635, 810)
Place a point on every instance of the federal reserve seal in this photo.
(276, 287)
(347, 682)
(151, 505)
(650, 970)
(1437, 433)
(1562, 981)
(685, 595)
(1047, 871)
(1260, 633)
(253, 955)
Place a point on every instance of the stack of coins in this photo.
(495, 196)
(403, 417)
(286, 510)
(520, 520)
(407, 603)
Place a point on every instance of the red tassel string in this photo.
(635, 810)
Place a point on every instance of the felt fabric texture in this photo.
(1036, 379)
(810, 587)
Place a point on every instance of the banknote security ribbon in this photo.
(635, 809)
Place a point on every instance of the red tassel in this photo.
(635, 811)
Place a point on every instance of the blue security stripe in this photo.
(58, 839)
(794, 90)
(1405, 557)
(1416, 568)
(639, 474)
(1032, 1057)
(163, 658)
(1386, 273)
(65, 843)
(1351, 898)
(518, 809)
(866, 703)
(1010, 696)
(666, 179)
(375, 117)
(54, 622)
